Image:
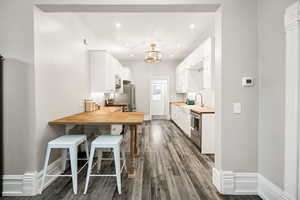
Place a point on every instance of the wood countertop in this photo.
(204, 110)
(179, 103)
(106, 115)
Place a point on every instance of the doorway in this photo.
(159, 98)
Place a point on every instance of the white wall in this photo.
(239, 58)
(271, 62)
(62, 74)
(239, 48)
(16, 45)
(141, 75)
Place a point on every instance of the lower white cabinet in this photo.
(208, 133)
(182, 118)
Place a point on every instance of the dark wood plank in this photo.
(169, 167)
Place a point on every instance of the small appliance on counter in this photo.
(190, 102)
(90, 105)
(109, 102)
(109, 99)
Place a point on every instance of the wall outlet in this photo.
(247, 82)
(237, 108)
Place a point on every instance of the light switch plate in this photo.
(237, 108)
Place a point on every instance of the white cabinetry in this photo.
(208, 133)
(194, 73)
(105, 72)
(182, 118)
(126, 74)
(181, 80)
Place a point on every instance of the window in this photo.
(156, 92)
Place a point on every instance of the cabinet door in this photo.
(178, 80)
(194, 80)
(110, 74)
(98, 61)
(208, 133)
(172, 112)
(181, 80)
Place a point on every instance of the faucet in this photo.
(201, 99)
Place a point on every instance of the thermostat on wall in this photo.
(247, 82)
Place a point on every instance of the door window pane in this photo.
(156, 92)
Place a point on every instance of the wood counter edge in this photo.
(94, 123)
(202, 112)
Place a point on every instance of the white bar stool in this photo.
(70, 142)
(107, 141)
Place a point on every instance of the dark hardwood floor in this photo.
(169, 167)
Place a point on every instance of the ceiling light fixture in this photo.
(192, 26)
(118, 25)
(153, 56)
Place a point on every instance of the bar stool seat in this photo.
(66, 140)
(107, 141)
(70, 142)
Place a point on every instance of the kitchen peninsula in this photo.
(108, 116)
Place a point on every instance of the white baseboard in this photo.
(230, 183)
(29, 183)
(269, 191)
(147, 117)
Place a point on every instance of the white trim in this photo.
(147, 117)
(292, 97)
(12, 185)
(230, 183)
(29, 183)
(269, 191)
(167, 107)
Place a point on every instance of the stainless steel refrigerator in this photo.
(127, 97)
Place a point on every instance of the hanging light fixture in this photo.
(153, 56)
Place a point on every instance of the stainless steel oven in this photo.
(196, 129)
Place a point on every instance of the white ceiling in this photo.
(170, 31)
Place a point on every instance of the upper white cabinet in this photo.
(126, 74)
(194, 73)
(106, 72)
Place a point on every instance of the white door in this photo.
(159, 105)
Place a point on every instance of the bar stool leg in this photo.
(73, 156)
(99, 158)
(124, 158)
(64, 159)
(45, 168)
(117, 165)
(89, 168)
(87, 149)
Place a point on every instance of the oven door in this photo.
(196, 135)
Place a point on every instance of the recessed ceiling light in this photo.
(118, 25)
(131, 55)
(192, 26)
